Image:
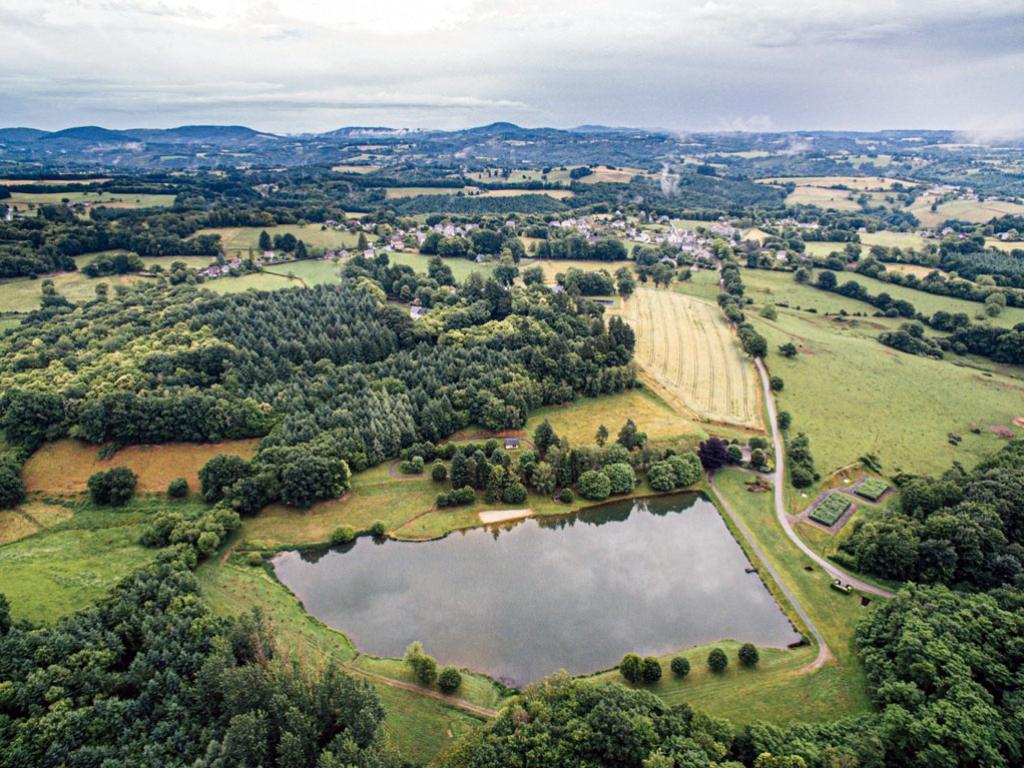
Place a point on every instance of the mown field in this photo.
(22, 294)
(196, 262)
(64, 466)
(553, 267)
(397, 193)
(461, 268)
(260, 281)
(692, 358)
(973, 211)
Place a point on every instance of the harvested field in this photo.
(27, 518)
(691, 357)
(65, 465)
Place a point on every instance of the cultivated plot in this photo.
(691, 357)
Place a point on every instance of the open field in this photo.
(30, 517)
(823, 248)
(196, 262)
(1004, 245)
(394, 193)
(355, 168)
(843, 375)
(64, 466)
(893, 239)
(858, 183)
(601, 174)
(309, 271)
(973, 211)
(241, 240)
(65, 182)
(74, 563)
(552, 267)
(24, 200)
(692, 358)
(22, 294)
(260, 281)
(419, 726)
(461, 268)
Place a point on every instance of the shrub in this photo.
(776, 383)
(621, 476)
(680, 666)
(254, 559)
(631, 668)
(735, 454)
(439, 472)
(567, 496)
(650, 670)
(748, 655)
(449, 680)
(686, 468)
(343, 535)
(177, 488)
(718, 662)
(12, 489)
(423, 666)
(113, 487)
(714, 453)
(514, 494)
(458, 497)
(413, 466)
(594, 485)
(378, 529)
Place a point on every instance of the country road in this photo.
(779, 477)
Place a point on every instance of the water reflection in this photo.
(573, 592)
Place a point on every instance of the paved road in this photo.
(778, 478)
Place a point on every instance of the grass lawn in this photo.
(309, 271)
(64, 466)
(892, 239)
(417, 725)
(69, 566)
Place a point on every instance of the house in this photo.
(417, 312)
(511, 443)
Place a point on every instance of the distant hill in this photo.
(200, 134)
(91, 133)
(21, 134)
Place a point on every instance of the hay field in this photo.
(553, 267)
(861, 183)
(892, 239)
(972, 211)
(64, 466)
(23, 200)
(692, 359)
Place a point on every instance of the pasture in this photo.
(65, 182)
(309, 271)
(22, 294)
(858, 183)
(461, 268)
(893, 239)
(240, 240)
(360, 169)
(164, 262)
(258, 281)
(30, 517)
(395, 193)
(692, 359)
(553, 267)
(26, 200)
(970, 210)
(64, 466)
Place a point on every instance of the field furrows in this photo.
(689, 353)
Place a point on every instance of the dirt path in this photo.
(778, 478)
(465, 706)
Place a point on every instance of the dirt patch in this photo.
(65, 466)
(27, 518)
(493, 516)
(1019, 421)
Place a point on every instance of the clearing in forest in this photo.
(691, 357)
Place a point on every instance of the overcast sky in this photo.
(311, 65)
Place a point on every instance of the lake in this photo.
(574, 592)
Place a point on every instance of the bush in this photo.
(220, 473)
(680, 667)
(776, 383)
(378, 529)
(650, 670)
(343, 535)
(177, 488)
(514, 494)
(661, 476)
(748, 655)
(567, 496)
(423, 666)
(113, 487)
(686, 468)
(254, 559)
(735, 454)
(439, 472)
(718, 662)
(12, 489)
(621, 476)
(449, 680)
(458, 497)
(413, 466)
(631, 668)
(594, 485)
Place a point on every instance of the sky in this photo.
(683, 65)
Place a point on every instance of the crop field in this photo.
(691, 357)
(64, 466)
(241, 240)
(831, 508)
(973, 211)
(28, 518)
(22, 294)
(24, 200)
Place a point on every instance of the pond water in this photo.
(574, 592)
